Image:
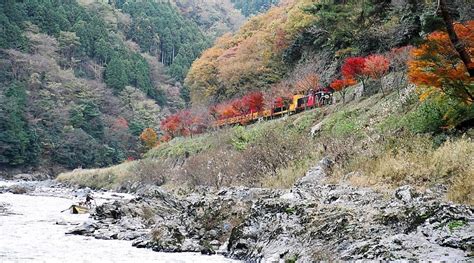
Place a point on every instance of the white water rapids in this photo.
(29, 233)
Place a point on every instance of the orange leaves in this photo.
(307, 82)
(436, 64)
(376, 66)
(184, 123)
(250, 103)
(337, 85)
(340, 84)
(149, 138)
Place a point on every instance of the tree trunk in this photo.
(458, 45)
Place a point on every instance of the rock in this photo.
(311, 221)
(61, 223)
(316, 128)
(317, 173)
(86, 228)
(405, 193)
(215, 244)
(208, 251)
(31, 177)
(5, 209)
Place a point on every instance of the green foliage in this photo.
(306, 121)
(162, 30)
(180, 147)
(455, 224)
(116, 74)
(240, 138)
(428, 117)
(342, 123)
(435, 114)
(252, 7)
(18, 141)
(11, 35)
(87, 117)
(82, 34)
(76, 148)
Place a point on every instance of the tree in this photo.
(460, 46)
(18, 142)
(116, 75)
(254, 102)
(353, 68)
(309, 81)
(376, 66)
(340, 85)
(68, 43)
(277, 95)
(437, 68)
(399, 58)
(149, 138)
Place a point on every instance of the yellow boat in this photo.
(77, 209)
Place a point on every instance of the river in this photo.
(33, 230)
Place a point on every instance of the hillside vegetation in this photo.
(402, 113)
(276, 49)
(81, 80)
(389, 147)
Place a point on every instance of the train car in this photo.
(295, 104)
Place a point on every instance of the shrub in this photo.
(428, 117)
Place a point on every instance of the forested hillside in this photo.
(274, 50)
(252, 7)
(401, 112)
(215, 17)
(81, 80)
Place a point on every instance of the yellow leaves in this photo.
(426, 93)
(247, 60)
(297, 18)
(149, 138)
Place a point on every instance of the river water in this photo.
(33, 230)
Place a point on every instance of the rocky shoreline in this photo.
(311, 221)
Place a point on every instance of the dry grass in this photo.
(146, 171)
(415, 161)
(287, 177)
(108, 178)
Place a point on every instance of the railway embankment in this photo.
(386, 141)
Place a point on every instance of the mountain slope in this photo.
(82, 80)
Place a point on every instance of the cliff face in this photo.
(310, 221)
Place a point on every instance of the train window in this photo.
(302, 102)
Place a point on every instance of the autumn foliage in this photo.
(437, 68)
(250, 103)
(184, 123)
(307, 82)
(376, 66)
(149, 138)
(340, 86)
(353, 68)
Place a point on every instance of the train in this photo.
(295, 104)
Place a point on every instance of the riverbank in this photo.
(310, 221)
(34, 229)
